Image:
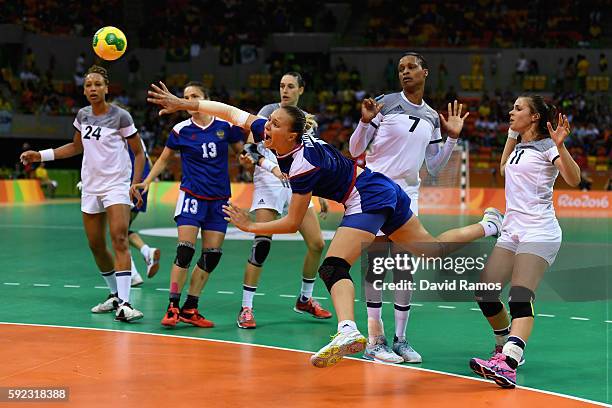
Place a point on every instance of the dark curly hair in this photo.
(96, 69)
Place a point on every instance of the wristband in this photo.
(512, 134)
(47, 155)
(268, 165)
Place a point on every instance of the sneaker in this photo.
(126, 313)
(111, 303)
(152, 261)
(342, 344)
(495, 369)
(498, 349)
(246, 318)
(312, 307)
(405, 350)
(171, 317)
(381, 352)
(494, 216)
(192, 316)
(136, 280)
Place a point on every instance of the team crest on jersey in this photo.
(220, 134)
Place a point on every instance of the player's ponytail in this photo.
(547, 114)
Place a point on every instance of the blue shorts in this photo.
(205, 214)
(143, 207)
(376, 203)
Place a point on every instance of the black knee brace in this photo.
(376, 270)
(488, 302)
(184, 254)
(210, 259)
(334, 269)
(521, 300)
(260, 250)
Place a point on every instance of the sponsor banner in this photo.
(435, 200)
(21, 191)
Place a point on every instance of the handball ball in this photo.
(109, 43)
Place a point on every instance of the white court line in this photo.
(12, 283)
(321, 298)
(258, 294)
(287, 296)
(608, 321)
(72, 286)
(579, 318)
(416, 304)
(545, 315)
(391, 366)
(224, 292)
(41, 285)
(475, 309)
(100, 287)
(163, 289)
(446, 307)
(36, 226)
(386, 303)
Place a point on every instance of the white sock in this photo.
(501, 336)
(111, 281)
(124, 283)
(402, 314)
(489, 228)
(145, 251)
(346, 326)
(248, 293)
(514, 348)
(307, 288)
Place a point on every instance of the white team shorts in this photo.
(272, 198)
(95, 204)
(529, 235)
(413, 193)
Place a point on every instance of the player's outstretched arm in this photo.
(158, 167)
(364, 132)
(62, 152)
(569, 169)
(160, 95)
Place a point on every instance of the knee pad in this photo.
(260, 250)
(210, 259)
(184, 254)
(521, 302)
(334, 269)
(488, 302)
(375, 271)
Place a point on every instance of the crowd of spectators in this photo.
(486, 23)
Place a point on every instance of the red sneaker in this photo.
(313, 307)
(246, 318)
(192, 316)
(171, 317)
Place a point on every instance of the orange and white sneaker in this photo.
(171, 317)
(192, 316)
(246, 318)
(312, 307)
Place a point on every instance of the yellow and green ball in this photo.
(109, 43)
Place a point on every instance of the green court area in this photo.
(48, 276)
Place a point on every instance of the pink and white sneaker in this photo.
(495, 369)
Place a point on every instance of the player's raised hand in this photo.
(454, 123)
(369, 109)
(160, 95)
(562, 131)
(29, 156)
(324, 208)
(237, 216)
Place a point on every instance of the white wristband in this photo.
(47, 155)
(268, 165)
(512, 134)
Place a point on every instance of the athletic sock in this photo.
(248, 293)
(111, 281)
(145, 251)
(346, 326)
(124, 283)
(501, 336)
(513, 350)
(191, 302)
(402, 314)
(307, 288)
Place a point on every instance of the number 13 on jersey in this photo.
(209, 150)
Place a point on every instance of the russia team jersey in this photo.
(147, 167)
(404, 130)
(315, 167)
(106, 162)
(204, 156)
